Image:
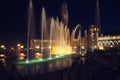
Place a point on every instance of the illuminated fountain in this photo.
(55, 39)
(57, 36)
(75, 38)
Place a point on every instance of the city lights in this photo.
(3, 47)
(39, 43)
(42, 60)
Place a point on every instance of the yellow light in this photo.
(37, 55)
(49, 47)
(95, 46)
(82, 54)
(2, 46)
(64, 50)
(18, 45)
(83, 47)
(22, 46)
(74, 47)
(2, 55)
(111, 46)
(101, 47)
(22, 56)
(37, 47)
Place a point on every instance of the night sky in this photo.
(13, 16)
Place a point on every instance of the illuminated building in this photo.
(109, 41)
(92, 37)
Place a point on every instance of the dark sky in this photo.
(13, 15)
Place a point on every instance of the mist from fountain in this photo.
(73, 36)
(31, 27)
(57, 36)
(44, 31)
(86, 39)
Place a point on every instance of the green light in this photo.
(27, 61)
(41, 60)
(49, 58)
(57, 56)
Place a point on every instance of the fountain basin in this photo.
(40, 61)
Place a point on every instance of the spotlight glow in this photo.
(34, 61)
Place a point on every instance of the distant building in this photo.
(92, 37)
(108, 41)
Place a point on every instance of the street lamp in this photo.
(3, 47)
